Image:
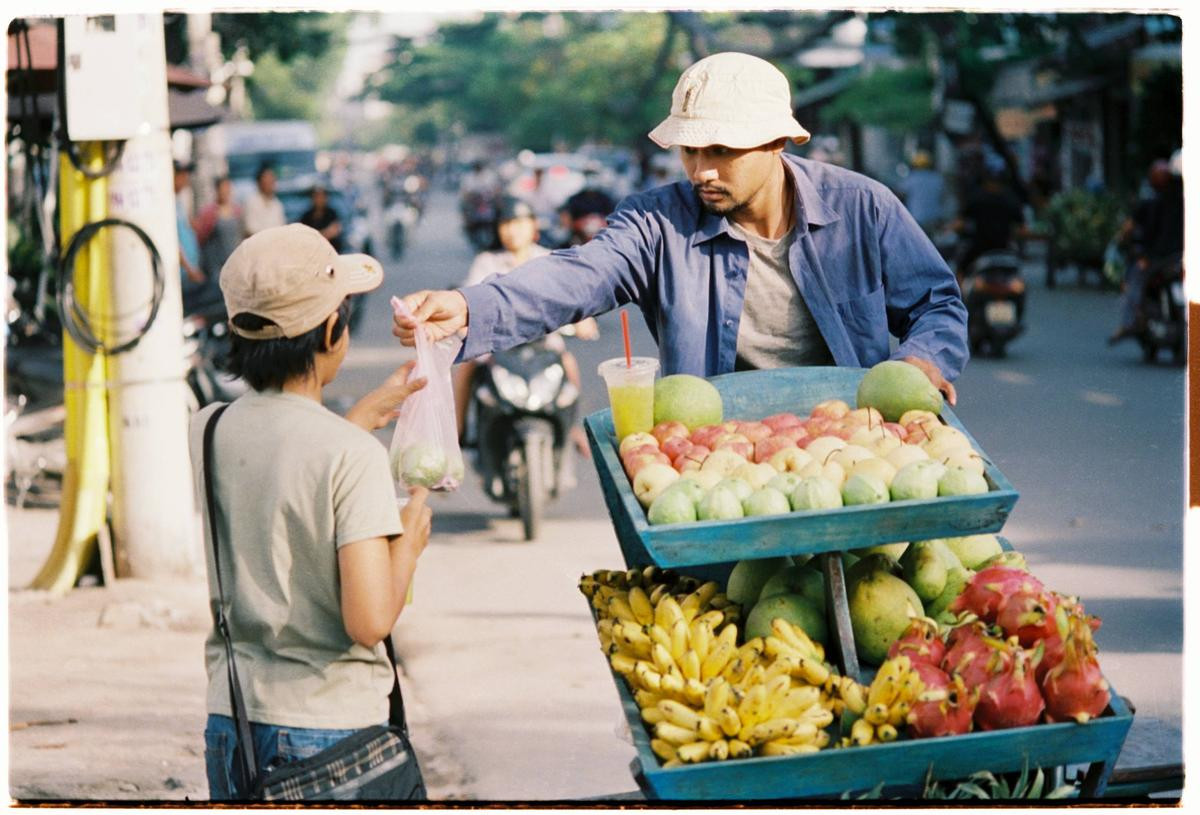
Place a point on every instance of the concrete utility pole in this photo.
(155, 522)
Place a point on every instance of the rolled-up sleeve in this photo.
(925, 310)
(544, 294)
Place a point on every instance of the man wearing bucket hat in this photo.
(761, 259)
(317, 556)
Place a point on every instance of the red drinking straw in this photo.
(625, 333)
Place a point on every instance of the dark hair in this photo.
(268, 364)
(219, 180)
(263, 169)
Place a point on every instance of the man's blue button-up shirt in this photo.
(859, 259)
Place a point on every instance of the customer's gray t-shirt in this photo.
(294, 483)
(776, 330)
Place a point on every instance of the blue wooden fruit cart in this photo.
(710, 549)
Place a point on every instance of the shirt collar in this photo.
(808, 202)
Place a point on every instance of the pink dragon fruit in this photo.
(971, 651)
(944, 707)
(990, 588)
(919, 642)
(1028, 616)
(1011, 697)
(1074, 689)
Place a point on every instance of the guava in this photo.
(673, 506)
(766, 501)
(864, 488)
(960, 481)
(917, 481)
(720, 504)
(748, 577)
(816, 492)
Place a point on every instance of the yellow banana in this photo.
(854, 695)
(618, 606)
(647, 677)
(750, 709)
(662, 658)
(694, 752)
(777, 689)
(658, 634)
(777, 648)
(673, 763)
(775, 748)
(817, 716)
(663, 749)
(652, 715)
(795, 636)
(709, 729)
(756, 676)
(680, 714)
(768, 730)
(729, 722)
(693, 692)
(656, 595)
(719, 750)
(736, 669)
(707, 592)
(812, 671)
(862, 733)
(716, 696)
(674, 734)
(679, 637)
(782, 666)
(739, 749)
(729, 634)
(720, 600)
(622, 663)
(639, 604)
(690, 665)
(667, 611)
(700, 638)
(690, 606)
(673, 685)
(797, 700)
(886, 732)
(713, 618)
(898, 713)
(633, 577)
(876, 714)
(631, 639)
(645, 698)
(717, 660)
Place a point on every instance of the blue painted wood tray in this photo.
(753, 395)
(903, 763)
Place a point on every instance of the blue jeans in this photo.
(274, 746)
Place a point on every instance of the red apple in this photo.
(865, 417)
(830, 409)
(675, 445)
(817, 425)
(896, 429)
(781, 420)
(638, 450)
(633, 464)
(915, 433)
(691, 459)
(794, 433)
(724, 437)
(769, 447)
(754, 431)
(707, 435)
(737, 445)
(669, 430)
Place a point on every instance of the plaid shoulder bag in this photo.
(373, 764)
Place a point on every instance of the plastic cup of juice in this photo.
(630, 393)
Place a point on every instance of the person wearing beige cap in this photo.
(316, 556)
(761, 259)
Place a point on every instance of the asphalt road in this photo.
(500, 646)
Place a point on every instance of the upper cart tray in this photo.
(753, 395)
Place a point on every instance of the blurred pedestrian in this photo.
(262, 209)
(219, 229)
(317, 556)
(322, 217)
(1155, 234)
(922, 191)
(192, 278)
(760, 260)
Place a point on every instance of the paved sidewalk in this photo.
(107, 685)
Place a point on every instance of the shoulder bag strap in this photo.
(396, 716)
(247, 764)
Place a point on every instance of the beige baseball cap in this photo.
(731, 99)
(292, 276)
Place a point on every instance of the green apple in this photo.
(850, 455)
(917, 481)
(816, 492)
(864, 489)
(673, 506)
(906, 454)
(785, 482)
(877, 467)
(739, 486)
(651, 480)
(820, 448)
(720, 504)
(756, 475)
(766, 501)
(830, 470)
(867, 436)
(960, 481)
(690, 487)
(722, 462)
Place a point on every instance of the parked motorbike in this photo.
(1164, 312)
(521, 411)
(994, 293)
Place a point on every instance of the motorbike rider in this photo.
(584, 212)
(1155, 230)
(517, 233)
(990, 218)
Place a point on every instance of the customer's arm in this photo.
(546, 293)
(376, 574)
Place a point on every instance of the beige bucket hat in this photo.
(292, 276)
(731, 99)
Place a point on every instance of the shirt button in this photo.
(728, 323)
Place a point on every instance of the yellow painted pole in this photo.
(85, 482)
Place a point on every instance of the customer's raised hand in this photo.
(378, 408)
(441, 312)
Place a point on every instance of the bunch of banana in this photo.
(890, 697)
(633, 594)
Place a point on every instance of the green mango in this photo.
(892, 550)
(792, 607)
(973, 550)
(956, 581)
(870, 564)
(925, 570)
(748, 576)
(881, 605)
(806, 581)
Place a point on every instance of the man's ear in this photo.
(329, 324)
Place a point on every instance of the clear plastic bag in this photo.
(424, 450)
